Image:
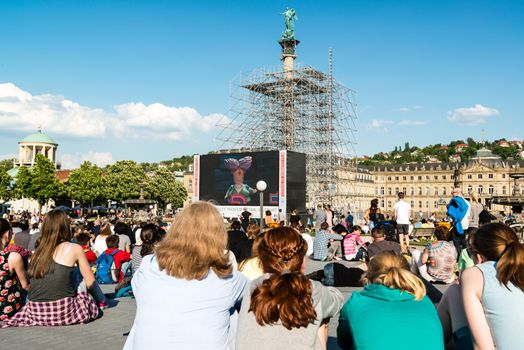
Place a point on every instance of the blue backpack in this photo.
(106, 272)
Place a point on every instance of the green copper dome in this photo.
(38, 137)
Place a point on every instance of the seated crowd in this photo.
(202, 287)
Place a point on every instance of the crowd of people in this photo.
(200, 286)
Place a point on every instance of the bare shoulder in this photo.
(472, 281)
(14, 257)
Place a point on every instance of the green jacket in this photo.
(380, 317)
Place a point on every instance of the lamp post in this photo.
(261, 187)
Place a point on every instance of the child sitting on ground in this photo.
(84, 239)
(120, 257)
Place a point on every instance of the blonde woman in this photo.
(100, 246)
(185, 291)
(393, 299)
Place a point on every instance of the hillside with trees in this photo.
(455, 151)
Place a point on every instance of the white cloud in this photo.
(379, 124)
(475, 115)
(19, 110)
(73, 161)
(408, 109)
(413, 122)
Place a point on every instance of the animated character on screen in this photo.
(239, 193)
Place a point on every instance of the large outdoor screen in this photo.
(229, 180)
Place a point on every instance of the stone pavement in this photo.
(107, 332)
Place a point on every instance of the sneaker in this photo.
(102, 305)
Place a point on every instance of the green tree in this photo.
(44, 183)
(85, 184)
(165, 189)
(123, 180)
(23, 183)
(5, 185)
(6, 164)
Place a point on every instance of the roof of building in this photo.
(13, 172)
(485, 156)
(39, 137)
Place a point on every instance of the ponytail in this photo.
(499, 242)
(150, 236)
(286, 297)
(510, 267)
(287, 294)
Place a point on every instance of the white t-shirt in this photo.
(465, 219)
(402, 209)
(100, 245)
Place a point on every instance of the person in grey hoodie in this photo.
(283, 309)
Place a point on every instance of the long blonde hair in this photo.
(392, 270)
(195, 244)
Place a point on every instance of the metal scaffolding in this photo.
(299, 109)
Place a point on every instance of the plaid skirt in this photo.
(63, 312)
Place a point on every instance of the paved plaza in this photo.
(107, 332)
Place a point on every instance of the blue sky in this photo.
(147, 80)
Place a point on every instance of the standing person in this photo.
(13, 278)
(349, 220)
(245, 218)
(53, 296)
(185, 291)
(458, 211)
(294, 218)
(493, 290)
(402, 215)
(327, 245)
(283, 309)
(329, 215)
(373, 215)
(319, 217)
(476, 209)
(392, 298)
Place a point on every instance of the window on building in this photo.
(470, 176)
(436, 191)
(396, 190)
(452, 177)
(382, 190)
(427, 177)
(479, 176)
(443, 177)
(427, 191)
(427, 204)
(490, 176)
(404, 190)
(491, 189)
(403, 178)
(503, 189)
(470, 189)
(503, 176)
(389, 204)
(382, 203)
(190, 186)
(389, 178)
(411, 191)
(412, 203)
(389, 191)
(420, 177)
(480, 189)
(412, 177)
(435, 177)
(396, 178)
(420, 204)
(420, 191)
(435, 204)
(443, 191)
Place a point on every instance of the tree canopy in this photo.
(123, 180)
(85, 184)
(165, 189)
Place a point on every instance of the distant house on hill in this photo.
(460, 147)
(63, 175)
(432, 159)
(444, 147)
(517, 143)
(503, 143)
(455, 158)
